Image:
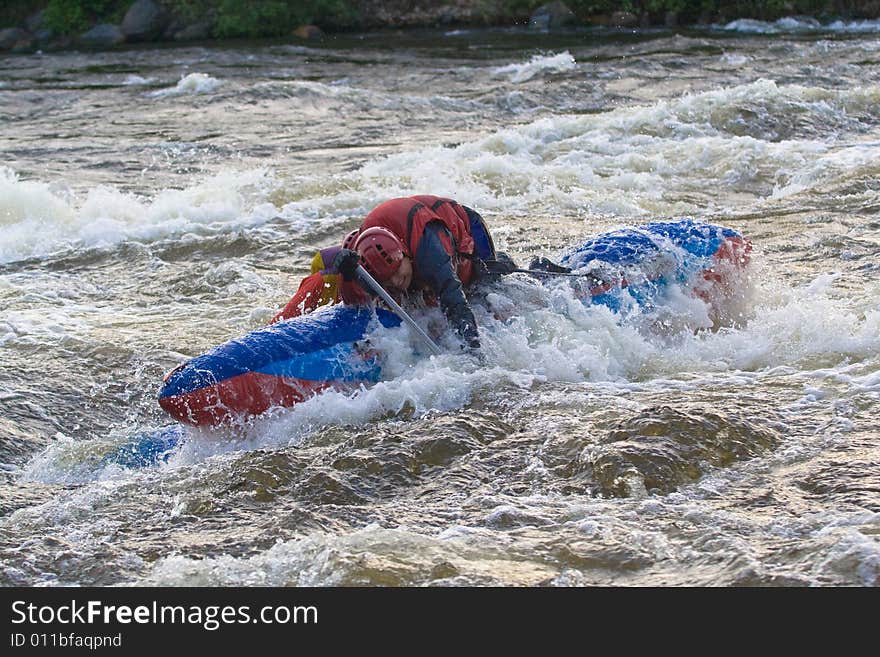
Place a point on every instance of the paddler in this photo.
(322, 286)
(426, 244)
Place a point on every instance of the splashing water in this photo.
(667, 445)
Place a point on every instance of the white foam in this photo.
(734, 59)
(674, 157)
(332, 560)
(316, 97)
(852, 548)
(827, 166)
(639, 161)
(750, 25)
(857, 27)
(37, 219)
(68, 461)
(137, 80)
(799, 24)
(190, 84)
(554, 337)
(869, 382)
(537, 65)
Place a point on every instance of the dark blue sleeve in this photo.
(435, 269)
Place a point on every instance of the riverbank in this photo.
(26, 26)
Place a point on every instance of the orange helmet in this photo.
(350, 239)
(381, 252)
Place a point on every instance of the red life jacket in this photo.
(407, 218)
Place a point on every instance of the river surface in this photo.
(155, 202)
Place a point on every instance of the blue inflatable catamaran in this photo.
(285, 363)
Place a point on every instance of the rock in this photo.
(102, 36)
(308, 32)
(144, 21)
(16, 39)
(706, 17)
(624, 19)
(195, 31)
(551, 16)
(44, 36)
(34, 22)
(28, 44)
(59, 42)
(446, 17)
(174, 26)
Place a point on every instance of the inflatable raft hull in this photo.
(634, 265)
(278, 365)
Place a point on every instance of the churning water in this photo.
(156, 202)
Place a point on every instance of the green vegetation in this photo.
(273, 18)
(73, 16)
(231, 18)
(14, 12)
(237, 18)
(262, 17)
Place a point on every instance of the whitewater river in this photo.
(155, 202)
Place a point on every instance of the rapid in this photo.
(158, 201)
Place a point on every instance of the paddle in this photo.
(373, 284)
(507, 266)
(538, 272)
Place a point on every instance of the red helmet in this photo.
(350, 239)
(381, 252)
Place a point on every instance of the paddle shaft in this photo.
(534, 272)
(373, 284)
(538, 272)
